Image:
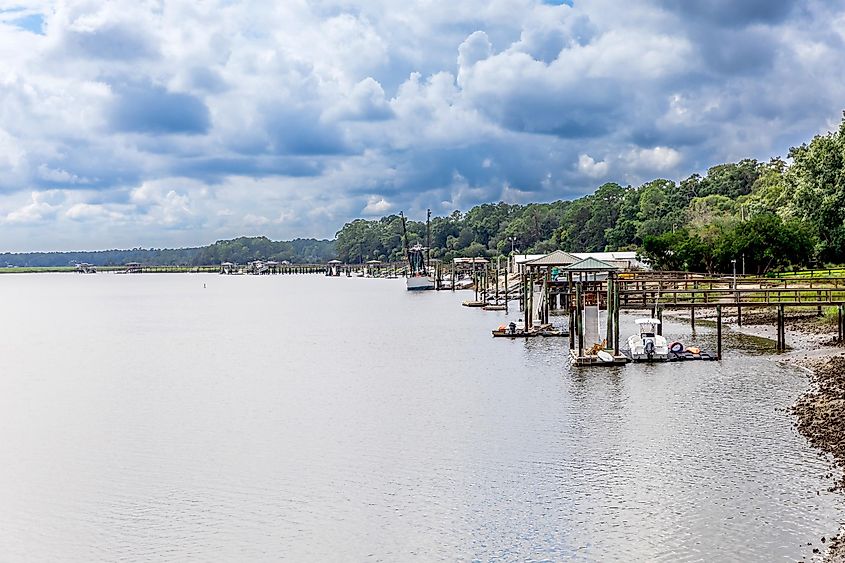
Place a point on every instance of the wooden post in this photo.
(609, 337)
(616, 318)
(497, 283)
(692, 319)
(571, 328)
(841, 311)
(506, 291)
(522, 294)
(545, 299)
(842, 323)
(660, 319)
(525, 307)
(738, 315)
(718, 332)
(532, 305)
(781, 328)
(579, 307)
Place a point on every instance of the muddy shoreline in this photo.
(820, 411)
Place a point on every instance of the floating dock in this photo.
(594, 360)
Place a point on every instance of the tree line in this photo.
(766, 215)
(240, 250)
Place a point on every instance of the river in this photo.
(198, 417)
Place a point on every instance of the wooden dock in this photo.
(588, 360)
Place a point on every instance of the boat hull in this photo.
(420, 283)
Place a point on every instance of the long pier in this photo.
(581, 294)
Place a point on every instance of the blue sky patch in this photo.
(32, 22)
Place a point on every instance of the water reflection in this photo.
(305, 417)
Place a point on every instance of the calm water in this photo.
(309, 418)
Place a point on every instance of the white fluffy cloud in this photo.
(132, 123)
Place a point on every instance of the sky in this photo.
(178, 123)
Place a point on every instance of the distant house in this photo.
(619, 260)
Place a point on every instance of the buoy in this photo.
(694, 349)
(676, 347)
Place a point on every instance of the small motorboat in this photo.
(647, 345)
(514, 330)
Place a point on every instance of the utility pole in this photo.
(733, 263)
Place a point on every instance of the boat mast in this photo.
(428, 241)
(405, 243)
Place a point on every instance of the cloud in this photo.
(366, 102)
(40, 208)
(731, 13)
(377, 205)
(658, 159)
(125, 123)
(589, 166)
(146, 108)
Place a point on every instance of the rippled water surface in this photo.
(149, 417)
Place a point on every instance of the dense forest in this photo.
(768, 215)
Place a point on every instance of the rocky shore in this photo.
(821, 419)
(819, 412)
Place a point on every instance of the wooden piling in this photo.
(841, 315)
(497, 283)
(842, 323)
(579, 317)
(718, 332)
(616, 319)
(660, 321)
(609, 336)
(692, 319)
(506, 291)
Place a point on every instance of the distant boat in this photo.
(418, 259)
(647, 345)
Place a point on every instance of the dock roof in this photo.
(471, 260)
(591, 265)
(556, 258)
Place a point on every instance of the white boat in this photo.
(420, 282)
(647, 345)
(418, 260)
(464, 283)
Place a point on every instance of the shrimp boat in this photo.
(419, 257)
(647, 345)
